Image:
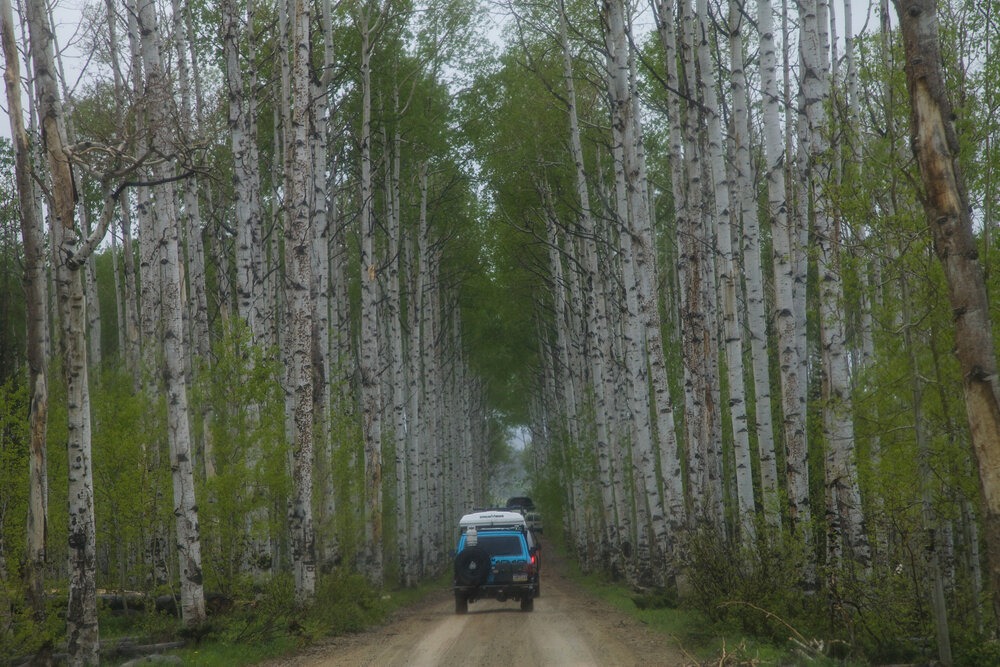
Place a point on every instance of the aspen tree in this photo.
(696, 277)
(416, 463)
(242, 119)
(564, 385)
(36, 299)
(785, 321)
(191, 224)
(726, 270)
(580, 371)
(930, 522)
(936, 148)
(753, 271)
(845, 521)
(642, 325)
(597, 344)
(323, 207)
(175, 352)
(371, 398)
(299, 327)
(671, 470)
(394, 325)
(81, 614)
(93, 314)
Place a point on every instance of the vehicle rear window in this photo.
(501, 545)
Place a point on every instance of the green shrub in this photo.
(344, 603)
(756, 589)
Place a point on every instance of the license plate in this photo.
(520, 577)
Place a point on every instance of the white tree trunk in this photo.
(129, 311)
(398, 362)
(666, 27)
(697, 277)
(670, 514)
(249, 284)
(369, 363)
(81, 614)
(642, 337)
(175, 354)
(36, 303)
(597, 344)
(191, 225)
(754, 276)
(726, 271)
(785, 324)
(323, 207)
(416, 464)
(431, 421)
(246, 175)
(845, 527)
(299, 327)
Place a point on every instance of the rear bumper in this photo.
(499, 592)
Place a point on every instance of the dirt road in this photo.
(569, 627)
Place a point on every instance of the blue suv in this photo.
(496, 558)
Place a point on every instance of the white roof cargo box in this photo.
(493, 519)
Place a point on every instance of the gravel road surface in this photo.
(569, 627)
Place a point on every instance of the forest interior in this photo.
(282, 282)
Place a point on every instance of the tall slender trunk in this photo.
(93, 311)
(36, 303)
(246, 175)
(697, 319)
(845, 521)
(299, 327)
(726, 269)
(416, 463)
(594, 305)
(935, 146)
(665, 513)
(320, 204)
(431, 369)
(395, 334)
(371, 398)
(754, 274)
(150, 280)
(81, 615)
(637, 371)
(785, 321)
(175, 352)
(191, 225)
(666, 27)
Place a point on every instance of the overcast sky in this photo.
(68, 15)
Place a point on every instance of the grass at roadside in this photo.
(271, 627)
(704, 641)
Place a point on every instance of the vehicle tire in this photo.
(472, 566)
(461, 604)
(527, 603)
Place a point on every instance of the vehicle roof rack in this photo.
(493, 519)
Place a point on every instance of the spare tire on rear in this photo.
(472, 566)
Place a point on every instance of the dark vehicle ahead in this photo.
(496, 558)
(525, 506)
(520, 504)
